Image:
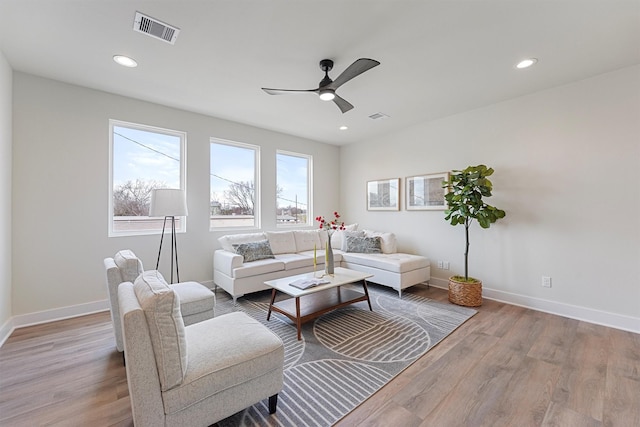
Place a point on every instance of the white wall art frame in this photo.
(383, 195)
(426, 192)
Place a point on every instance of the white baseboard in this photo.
(24, 320)
(618, 321)
(30, 319)
(6, 330)
(598, 317)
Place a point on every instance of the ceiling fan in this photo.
(327, 87)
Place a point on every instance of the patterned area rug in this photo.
(345, 355)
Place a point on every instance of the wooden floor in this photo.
(506, 366)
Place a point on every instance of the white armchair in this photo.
(195, 375)
(196, 300)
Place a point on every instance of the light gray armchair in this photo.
(196, 300)
(193, 375)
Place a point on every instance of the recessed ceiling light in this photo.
(125, 61)
(526, 63)
(343, 127)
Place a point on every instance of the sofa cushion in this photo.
(293, 261)
(366, 245)
(161, 307)
(224, 352)
(282, 242)
(389, 242)
(337, 236)
(129, 264)
(395, 263)
(306, 240)
(256, 268)
(254, 251)
(229, 240)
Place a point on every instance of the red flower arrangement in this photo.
(331, 225)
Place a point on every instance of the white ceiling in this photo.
(437, 57)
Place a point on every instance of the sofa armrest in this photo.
(226, 261)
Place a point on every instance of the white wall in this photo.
(566, 161)
(61, 189)
(5, 193)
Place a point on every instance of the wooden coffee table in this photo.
(307, 304)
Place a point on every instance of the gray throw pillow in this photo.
(364, 245)
(346, 234)
(254, 251)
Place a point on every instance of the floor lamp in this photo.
(169, 203)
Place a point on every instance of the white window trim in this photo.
(257, 211)
(310, 216)
(183, 176)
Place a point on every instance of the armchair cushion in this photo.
(161, 307)
(129, 265)
(220, 360)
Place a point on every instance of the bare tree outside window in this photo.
(240, 197)
(233, 177)
(142, 158)
(133, 198)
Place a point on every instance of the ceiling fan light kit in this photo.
(327, 87)
(327, 94)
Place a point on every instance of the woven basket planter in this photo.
(466, 294)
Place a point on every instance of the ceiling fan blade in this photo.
(342, 104)
(287, 91)
(358, 67)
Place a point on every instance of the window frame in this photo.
(257, 212)
(309, 203)
(183, 176)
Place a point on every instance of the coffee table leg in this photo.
(366, 292)
(298, 321)
(273, 298)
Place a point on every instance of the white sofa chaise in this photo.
(246, 261)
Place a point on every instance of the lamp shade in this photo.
(168, 202)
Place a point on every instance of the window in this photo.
(234, 185)
(293, 181)
(142, 158)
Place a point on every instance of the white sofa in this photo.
(293, 253)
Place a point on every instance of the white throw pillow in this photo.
(306, 240)
(337, 237)
(161, 307)
(229, 240)
(388, 240)
(282, 242)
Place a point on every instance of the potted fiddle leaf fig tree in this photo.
(467, 188)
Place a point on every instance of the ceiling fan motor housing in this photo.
(326, 65)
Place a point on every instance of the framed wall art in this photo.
(383, 195)
(425, 192)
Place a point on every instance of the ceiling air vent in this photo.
(378, 116)
(154, 28)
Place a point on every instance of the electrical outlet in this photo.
(546, 281)
(445, 265)
(440, 264)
